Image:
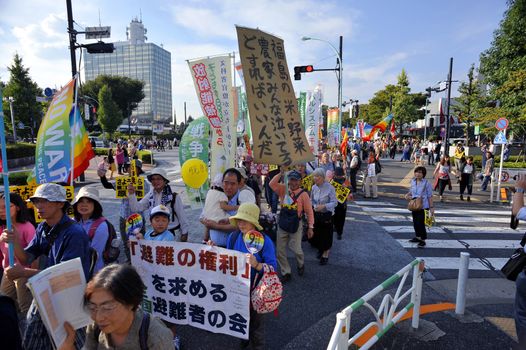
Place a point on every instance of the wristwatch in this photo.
(520, 190)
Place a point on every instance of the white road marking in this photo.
(366, 203)
(410, 229)
(472, 244)
(443, 263)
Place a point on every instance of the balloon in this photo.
(194, 172)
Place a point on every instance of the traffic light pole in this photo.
(449, 77)
(340, 78)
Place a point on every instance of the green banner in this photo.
(194, 144)
(302, 105)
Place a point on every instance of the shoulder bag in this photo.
(417, 203)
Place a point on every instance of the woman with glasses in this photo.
(112, 298)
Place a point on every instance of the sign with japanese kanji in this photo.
(121, 186)
(342, 192)
(307, 182)
(277, 132)
(198, 285)
(26, 191)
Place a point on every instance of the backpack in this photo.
(143, 331)
(289, 220)
(268, 293)
(110, 253)
(377, 167)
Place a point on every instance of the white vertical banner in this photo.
(213, 84)
(312, 118)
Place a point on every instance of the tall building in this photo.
(137, 59)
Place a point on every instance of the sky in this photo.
(380, 38)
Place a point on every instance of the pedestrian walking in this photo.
(466, 175)
(340, 212)
(442, 176)
(119, 158)
(111, 163)
(371, 178)
(294, 202)
(460, 152)
(488, 170)
(323, 197)
(421, 191)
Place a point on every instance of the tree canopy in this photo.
(127, 92)
(24, 92)
(109, 115)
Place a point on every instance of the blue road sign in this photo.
(500, 139)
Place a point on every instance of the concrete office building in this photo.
(137, 59)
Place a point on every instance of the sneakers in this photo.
(421, 244)
(301, 270)
(414, 240)
(469, 199)
(324, 260)
(286, 278)
(462, 197)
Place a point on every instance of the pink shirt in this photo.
(26, 232)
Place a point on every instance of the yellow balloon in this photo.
(194, 172)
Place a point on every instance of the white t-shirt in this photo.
(211, 210)
(247, 196)
(371, 169)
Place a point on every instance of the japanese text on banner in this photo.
(279, 138)
(202, 286)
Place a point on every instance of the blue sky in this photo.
(380, 37)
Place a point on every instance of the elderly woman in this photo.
(323, 197)
(112, 298)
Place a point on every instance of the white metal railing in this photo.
(386, 315)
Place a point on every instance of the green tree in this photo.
(127, 92)
(110, 116)
(469, 101)
(24, 91)
(404, 108)
(503, 66)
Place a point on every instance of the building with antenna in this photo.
(138, 59)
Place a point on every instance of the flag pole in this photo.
(74, 130)
(5, 174)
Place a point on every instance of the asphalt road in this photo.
(368, 254)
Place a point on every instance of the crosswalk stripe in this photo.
(393, 218)
(443, 263)
(365, 203)
(481, 229)
(471, 243)
(410, 229)
(437, 212)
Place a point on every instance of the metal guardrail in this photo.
(386, 316)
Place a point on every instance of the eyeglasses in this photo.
(103, 309)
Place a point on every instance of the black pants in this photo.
(323, 232)
(256, 333)
(339, 217)
(419, 224)
(353, 179)
(442, 183)
(464, 183)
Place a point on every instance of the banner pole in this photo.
(73, 130)
(5, 174)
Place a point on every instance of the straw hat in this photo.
(248, 212)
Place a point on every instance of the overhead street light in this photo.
(339, 76)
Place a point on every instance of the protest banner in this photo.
(342, 192)
(279, 137)
(194, 144)
(198, 285)
(213, 83)
(312, 119)
(26, 191)
(121, 186)
(333, 134)
(302, 101)
(307, 182)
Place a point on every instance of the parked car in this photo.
(98, 142)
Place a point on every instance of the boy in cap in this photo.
(58, 238)
(159, 218)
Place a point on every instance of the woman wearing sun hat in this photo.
(246, 220)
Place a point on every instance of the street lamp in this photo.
(11, 100)
(339, 77)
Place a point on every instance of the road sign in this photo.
(500, 139)
(20, 125)
(98, 32)
(501, 124)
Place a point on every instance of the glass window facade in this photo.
(146, 62)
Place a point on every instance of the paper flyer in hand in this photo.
(58, 292)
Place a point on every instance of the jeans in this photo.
(485, 182)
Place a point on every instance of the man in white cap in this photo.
(161, 193)
(58, 238)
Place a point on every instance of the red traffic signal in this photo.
(302, 69)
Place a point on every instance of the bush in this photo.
(146, 156)
(101, 151)
(16, 179)
(20, 150)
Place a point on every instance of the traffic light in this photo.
(302, 69)
(100, 47)
(428, 92)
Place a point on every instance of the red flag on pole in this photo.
(393, 130)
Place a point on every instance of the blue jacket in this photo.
(71, 242)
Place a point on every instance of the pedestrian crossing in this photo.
(484, 233)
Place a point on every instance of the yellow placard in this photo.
(307, 182)
(28, 190)
(121, 186)
(133, 169)
(429, 220)
(342, 192)
(272, 167)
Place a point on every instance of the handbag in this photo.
(516, 263)
(417, 203)
(267, 294)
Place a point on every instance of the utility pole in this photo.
(72, 39)
(449, 77)
(185, 115)
(11, 100)
(340, 88)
